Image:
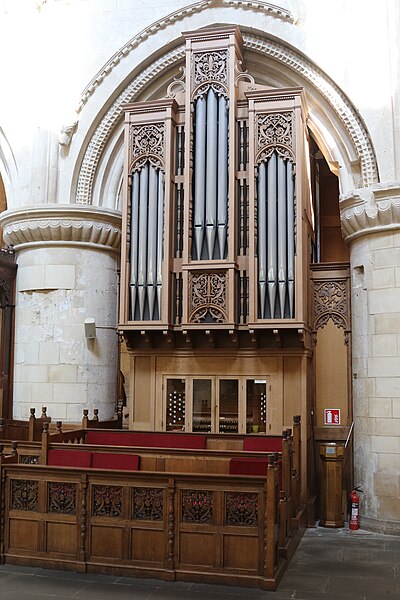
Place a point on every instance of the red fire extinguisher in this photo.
(354, 522)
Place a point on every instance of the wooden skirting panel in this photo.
(214, 528)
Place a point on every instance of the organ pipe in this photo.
(160, 232)
(222, 174)
(142, 237)
(134, 237)
(152, 238)
(211, 171)
(199, 174)
(262, 236)
(272, 232)
(282, 235)
(290, 241)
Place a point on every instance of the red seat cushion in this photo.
(69, 458)
(248, 466)
(262, 444)
(146, 439)
(119, 462)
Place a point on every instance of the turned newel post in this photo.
(96, 415)
(59, 426)
(85, 418)
(31, 424)
(45, 443)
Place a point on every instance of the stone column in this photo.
(371, 224)
(67, 272)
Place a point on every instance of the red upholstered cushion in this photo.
(107, 438)
(121, 462)
(69, 458)
(262, 444)
(146, 439)
(248, 466)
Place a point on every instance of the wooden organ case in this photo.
(217, 229)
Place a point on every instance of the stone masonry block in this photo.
(34, 373)
(387, 323)
(59, 277)
(388, 427)
(383, 278)
(384, 301)
(384, 366)
(62, 373)
(384, 345)
(396, 407)
(386, 485)
(380, 407)
(385, 444)
(388, 387)
(49, 353)
(30, 278)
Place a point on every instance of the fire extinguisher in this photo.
(354, 522)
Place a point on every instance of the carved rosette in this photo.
(107, 501)
(62, 225)
(274, 133)
(24, 495)
(241, 509)
(208, 297)
(330, 302)
(62, 498)
(148, 504)
(147, 145)
(197, 506)
(28, 459)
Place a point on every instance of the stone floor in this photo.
(328, 565)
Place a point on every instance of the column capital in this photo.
(375, 209)
(62, 225)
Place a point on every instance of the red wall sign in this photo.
(332, 416)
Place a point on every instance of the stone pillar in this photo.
(371, 224)
(67, 272)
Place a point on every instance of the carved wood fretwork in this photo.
(274, 133)
(148, 504)
(147, 144)
(107, 501)
(241, 509)
(210, 66)
(24, 495)
(330, 302)
(207, 297)
(197, 506)
(62, 498)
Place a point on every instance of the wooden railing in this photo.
(30, 430)
(214, 528)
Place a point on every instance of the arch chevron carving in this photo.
(348, 116)
(196, 7)
(62, 225)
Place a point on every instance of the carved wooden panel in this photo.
(62, 498)
(210, 66)
(274, 132)
(208, 297)
(107, 501)
(24, 495)
(28, 459)
(148, 504)
(331, 302)
(241, 509)
(147, 143)
(197, 506)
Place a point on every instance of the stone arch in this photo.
(335, 122)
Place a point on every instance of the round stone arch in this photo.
(334, 121)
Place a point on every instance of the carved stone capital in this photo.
(375, 209)
(62, 225)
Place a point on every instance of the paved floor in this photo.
(328, 565)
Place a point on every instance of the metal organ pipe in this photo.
(211, 171)
(160, 235)
(290, 234)
(272, 232)
(134, 240)
(262, 236)
(142, 237)
(199, 174)
(152, 239)
(222, 174)
(282, 235)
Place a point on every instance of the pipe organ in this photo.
(217, 219)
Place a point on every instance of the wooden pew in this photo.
(30, 430)
(188, 527)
